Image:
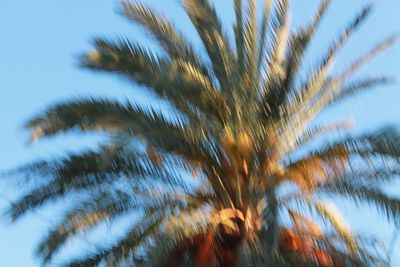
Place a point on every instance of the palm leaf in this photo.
(124, 249)
(205, 20)
(177, 46)
(83, 217)
(386, 205)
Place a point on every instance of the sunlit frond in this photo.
(298, 43)
(317, 168)
(364, 59)
(280, 33)
(127, 58)
(177, 46)
(209, 28)
(330, 214)
(317, 92)
(265, 20)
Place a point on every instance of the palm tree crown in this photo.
(233, 175)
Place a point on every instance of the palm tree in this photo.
(235, 174)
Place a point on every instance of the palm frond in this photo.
(84, 216)
(92, 114)
(164, 77)
(331, 215)
(359, 86)
(312, 133)
(250, 44)
(127, 58)
(206, 21)
(316, 168)
(91, 170)
(264, 34)
(177, 46)
(238, 29)
(348, 32)
(381, 143)
(280, 24)
(313, 97)
(364, 59)
(114, 116)
(298, 43)
(124, 250)
(385, 204)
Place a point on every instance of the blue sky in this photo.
(40, 42)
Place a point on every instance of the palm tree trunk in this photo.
(228, 258)
(230, 243)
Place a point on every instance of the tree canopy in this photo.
(234, 174)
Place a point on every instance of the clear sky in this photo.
(39, 43)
